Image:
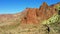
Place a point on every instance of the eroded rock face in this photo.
(37, 15)
(31, 16)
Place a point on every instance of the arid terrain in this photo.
(42, 20)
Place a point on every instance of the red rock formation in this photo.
(37, 15)
(31, 16)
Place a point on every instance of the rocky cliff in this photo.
(37, 15)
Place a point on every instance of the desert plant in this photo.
(54, 19)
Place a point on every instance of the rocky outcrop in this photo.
(37, 15)
(31, 16)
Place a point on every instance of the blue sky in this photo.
(15, 6)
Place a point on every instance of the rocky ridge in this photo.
(37, 15)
